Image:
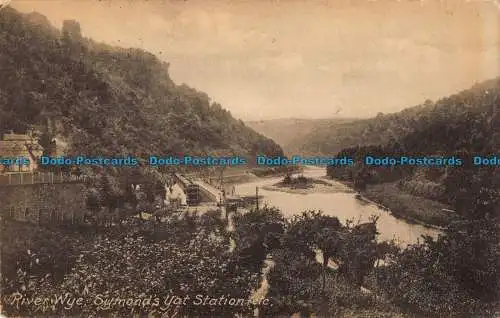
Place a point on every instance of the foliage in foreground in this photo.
(38, 252)
(453, 276)
(188, 256)
(301, 284)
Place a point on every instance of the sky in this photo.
(265, 59)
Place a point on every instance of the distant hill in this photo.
(105, 100)
(415, 121)
(291, 133)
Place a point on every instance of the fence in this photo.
(44, 216)
(40, 178)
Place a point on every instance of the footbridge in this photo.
(209, 191)
(198, 191)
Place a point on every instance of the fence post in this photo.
(257, 197)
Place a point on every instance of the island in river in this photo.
(306, 185)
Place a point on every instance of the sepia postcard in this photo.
(249, 158)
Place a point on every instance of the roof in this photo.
(20, 148)
(17, 137)
(10, 148)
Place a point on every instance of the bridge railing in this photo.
(27, 178)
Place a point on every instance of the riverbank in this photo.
(406, 206)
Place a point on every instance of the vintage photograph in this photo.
(249, 158)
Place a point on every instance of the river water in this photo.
(340, 203)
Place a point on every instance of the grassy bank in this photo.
(407, 206)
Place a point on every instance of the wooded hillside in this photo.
(106, 100)
(463, 119)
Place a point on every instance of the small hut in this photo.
(16, 146)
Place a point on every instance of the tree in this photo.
(93, 203)
(329, 241)
(361, 180)
(457, 273)
(359, 250)
(256, 234)
(287, 179)
(72, 29)
(110, 194)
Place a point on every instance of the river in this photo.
(340, 203)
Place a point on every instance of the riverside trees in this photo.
(456, 274)
(453, 276)
(299, 283)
